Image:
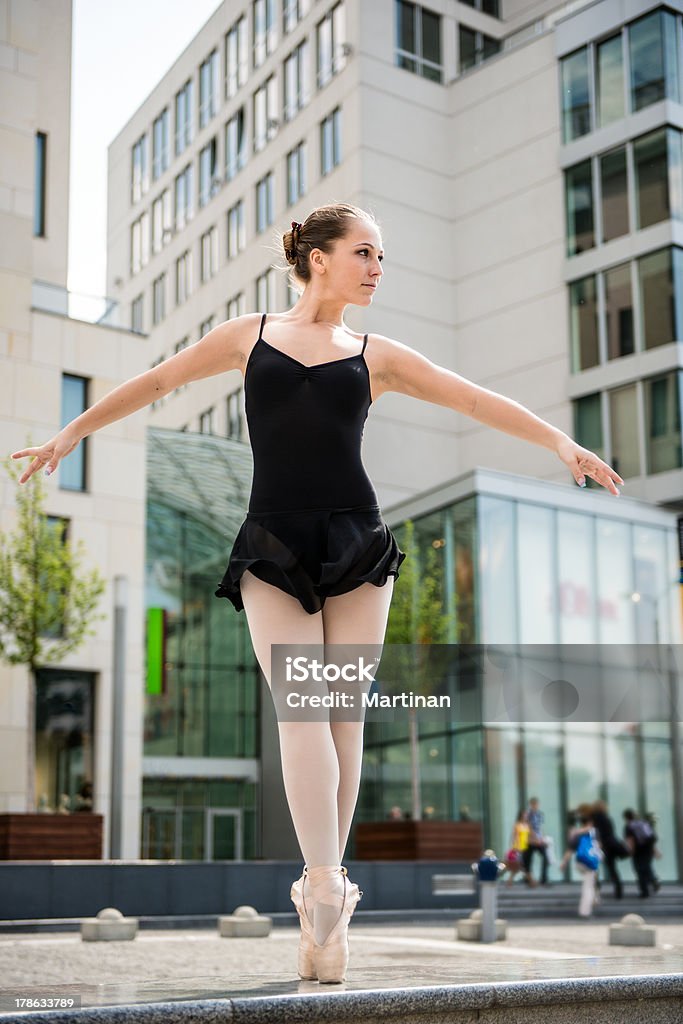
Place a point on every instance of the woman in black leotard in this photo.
(314, 562)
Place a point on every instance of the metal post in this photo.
(489, 910)
(118, 718)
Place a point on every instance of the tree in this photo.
(417, 619)
(46, 604)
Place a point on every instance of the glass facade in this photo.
(526, 572)
(202, 686)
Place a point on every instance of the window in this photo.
(235, 145)
(651, 166)
(265, 291)
(236, 306)
(139, 169)
(623, 416)
(159, 299)
(583, 303)
(614, 193)
(40, 185)
(233, 417)
(330, 142)
(209, 181)
(208, 89)
(474, 48)
(265, 30)
(296, 173)
(139, 251)
(183, 117)
(331, 37)
(265, 113)
(588, 424)
(136, 314)
(161, 221)
(206, 326)
(206, 425)
(609, 76)
(578, 182)
(264, 202)
(208, 254)
(160, 156)
(619, 311)
(184, 197)
(183, 277)
(418, 40)
(296, 83)
(660, 284)
(487, 6)
(653, 59)
(663, 422)
(72, 468)
(236, 231)
(236, 59)
(575, 95)
(292, 13)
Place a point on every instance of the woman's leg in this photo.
(359, 617)
(310, 768)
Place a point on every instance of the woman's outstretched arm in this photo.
(397, 367)
(218, 351)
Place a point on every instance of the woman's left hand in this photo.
(583, 463)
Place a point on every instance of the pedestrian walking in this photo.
(537, 841)
(519, 844)
(613, 848)
(588, 856)
(641, 839)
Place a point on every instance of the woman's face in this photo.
(354, 267)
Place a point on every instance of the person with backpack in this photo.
(613, 848)
(583, 837)
(641, 839)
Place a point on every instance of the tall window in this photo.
(40, 185)
(292, 13)
(264, 202)
(659, 176)
(236, 230)
(206, 421)
(576, 111)
(619, 311)
(208, 89)
(331, 37)
(139, 243)
(614, 194)
(233, 418)
(579, 200)
(159, 299)
(183, 117)
(137, 314)
(160, 144)
(475, 47)
(296, 81)
(609, 80)
(183, 277)
(162, 223)
(660, 286)
(236, 57)
(139, 168)
(418, 40)
(296, 173)
(237, 306)
(653, 59)
(184, 197)
(330, 142)
(583, 302)
(72, 468)
(209, 182)
(265, 30)
(663, 422)
(208, 248)
(235, 145)
(265, 291)
(623, 416)
(265, 113)
(588, 424)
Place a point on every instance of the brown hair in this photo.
(322, 228)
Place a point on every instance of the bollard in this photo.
(488, 869)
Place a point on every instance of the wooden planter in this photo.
(51, 836)
(419, 840)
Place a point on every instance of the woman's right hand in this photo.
(48, 454)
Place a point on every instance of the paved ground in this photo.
(196, 964)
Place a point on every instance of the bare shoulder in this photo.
(236, 338)
(392, 364)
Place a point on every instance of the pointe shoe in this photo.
(332, 956)
(306, 962)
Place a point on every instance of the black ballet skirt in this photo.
(314, 528)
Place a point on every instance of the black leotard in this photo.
(314, 527)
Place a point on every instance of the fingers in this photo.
(41, 457)
(599, 471)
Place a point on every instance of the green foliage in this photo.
(46, 603)
(417, 615)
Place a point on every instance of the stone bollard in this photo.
(468, 929)
(244, 923)
(632, 931)
(109, 926)
(487, 870)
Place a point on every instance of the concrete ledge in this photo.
(656, 999)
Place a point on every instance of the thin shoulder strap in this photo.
(263, 320)
(365, 341)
